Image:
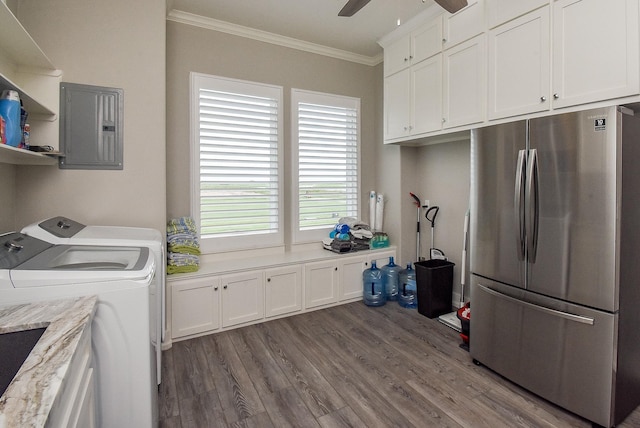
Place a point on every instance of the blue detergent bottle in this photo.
(10, 112)
(373, 288)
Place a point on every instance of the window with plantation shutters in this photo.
(236, 162)
(326, 161)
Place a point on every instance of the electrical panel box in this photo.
(91, 127)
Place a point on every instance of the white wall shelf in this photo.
(25, 68)
(17, 156)
(18, 46)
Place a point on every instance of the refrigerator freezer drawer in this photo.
(560, 351)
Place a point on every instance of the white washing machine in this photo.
(62, 230)
(124, 359)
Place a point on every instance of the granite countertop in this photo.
(31, 395)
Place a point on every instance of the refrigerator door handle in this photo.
(518, 202)
(532, 203)
(566, 315)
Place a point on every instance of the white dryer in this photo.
(62, 230)
(34, 270)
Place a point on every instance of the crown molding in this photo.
(264, 36)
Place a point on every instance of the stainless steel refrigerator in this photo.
(555, 258)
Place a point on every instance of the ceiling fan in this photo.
(352, 6)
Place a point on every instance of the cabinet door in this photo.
(595, 51)
(283, 290)
(242, 298)
(501, 11)
(519, 68)
(397, 93)
(426, 41)
(464, 24)
(320, 283)
(426, 95)
(464, 70)
(397, 55)
(350, 277)
(195, 306)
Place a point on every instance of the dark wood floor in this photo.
(346, 366)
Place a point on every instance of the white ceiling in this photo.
(313, 21)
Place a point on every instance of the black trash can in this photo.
(434, 280)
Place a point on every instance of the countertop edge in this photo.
(31, 395)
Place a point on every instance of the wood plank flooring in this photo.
(345, 366)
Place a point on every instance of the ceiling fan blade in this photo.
(452, 6)
(353, 6)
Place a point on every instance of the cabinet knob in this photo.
(225, 287)
(444, 40)
(215, 288)
(556, 96)
(268, 279)
(406, 59)
(444, 120)
(335, 268)
(543, 98)
(410, 56)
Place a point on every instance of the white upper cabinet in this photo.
(397, 55)
(426, 96)
(519, 66)
(501, 11)
(414, 47)
(427, 40)
(595, 51)
(464, 73)
(502, 59)
(397, 109)
(413, 100)
(464, 24)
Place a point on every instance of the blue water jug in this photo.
(10, 112)
(390, 279)
(373, 288)
(407, 288)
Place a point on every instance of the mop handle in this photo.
(416, 201)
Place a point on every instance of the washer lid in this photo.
(62, 230)
(16, 248)
(75, 264)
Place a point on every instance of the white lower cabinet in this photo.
(350, 278)
(195, 306)
(242, 297)
(283, 290)
(75, 406)
(320, 283)
(210, 304)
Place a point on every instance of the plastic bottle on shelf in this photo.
(10, 112)
(390, 279)
(373, 288)
(407, 288)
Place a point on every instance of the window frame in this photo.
(220, 83)
(300, 95)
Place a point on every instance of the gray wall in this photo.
(121, 44)
(191, 48)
